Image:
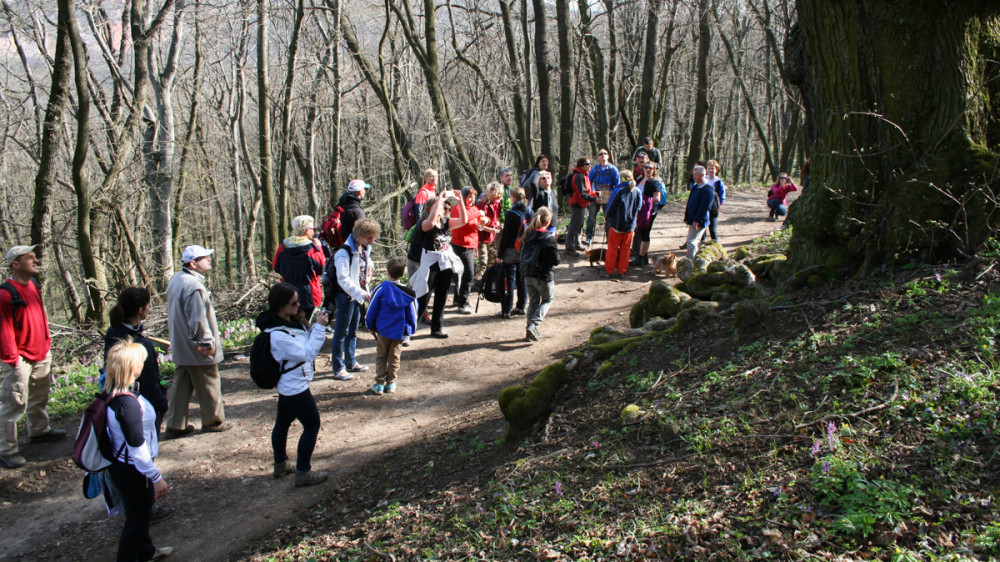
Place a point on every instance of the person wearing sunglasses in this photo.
(583, 195)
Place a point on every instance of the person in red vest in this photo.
(26, 357)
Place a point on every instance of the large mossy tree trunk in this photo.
(902, 102)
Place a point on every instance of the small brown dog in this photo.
(666, 265)
(597, 255)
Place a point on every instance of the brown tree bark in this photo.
(264, 135)
(567, 83)
(903, 120)
(544, 87)
(701, 86)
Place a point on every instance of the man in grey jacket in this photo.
(196, 347)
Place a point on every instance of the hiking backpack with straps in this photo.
(494, 283)
(92, 450)
(332, 229)
(265, 370)
(16, 301)
(409, 214)
(566, 185)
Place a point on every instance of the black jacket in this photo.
(351, 214)
(149, 379)
(548, 255)
(512, 227)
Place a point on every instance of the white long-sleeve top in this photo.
(132, 422)
(296, 346)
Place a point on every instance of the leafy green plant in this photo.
(72, 390)
(237, 334)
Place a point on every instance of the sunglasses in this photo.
(294, 302)
(648, 168)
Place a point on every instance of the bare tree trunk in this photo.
(598, 75)
(522, 144)
(95, 287)
(544, 88)
(182, 174)
(75, 305)
(264, 136)
(159, 144)
(566, 84)
(701, 87)
(286, 121)
(649, 70)
(52, 134)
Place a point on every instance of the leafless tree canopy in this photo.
(133, 128)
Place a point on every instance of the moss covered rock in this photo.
(741, 253)
(685, 269)
(717, 267)
(768, 266)
(712, 251)
(604, 334)
(749, 313)
(522, 407)
(662, 301)
(630, 414)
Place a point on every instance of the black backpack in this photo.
(330, 284)
(16, 302)
(264, 368)
(494, 285)
(530, 253)
(566, 185)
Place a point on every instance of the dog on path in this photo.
(597, 255)
(666, 265)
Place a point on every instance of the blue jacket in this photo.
(623, 209)
(604, 175)
(699, 202)
(392, 312)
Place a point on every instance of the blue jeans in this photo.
(540, 297)
(345, 332)
(300, 407)
(515, 283)
(575, 225)
(592, 211)
(777, 209)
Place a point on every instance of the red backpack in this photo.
(331, 231)
(520, 230)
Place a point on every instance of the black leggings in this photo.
(300, 407)
(438, 283)
(137, 496)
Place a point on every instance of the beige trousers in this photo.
(204, 381)
(387, 359)
(25, 390)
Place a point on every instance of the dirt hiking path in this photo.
(221, 485)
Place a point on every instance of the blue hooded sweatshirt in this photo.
(392, 312)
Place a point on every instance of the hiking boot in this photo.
(283, 468)
(517, 312)
(532, 334)
(441, 334)
(358, 368)
(310, 478)
(13, 460)
(390, 388)
(162, 552)
(171, 433)
(587, 243)
(682, 246)
(505, 315)
(377, 389)
(217, 427)
(160, 513)
(343, 375)
(52, 435)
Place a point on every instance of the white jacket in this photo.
(296, 346)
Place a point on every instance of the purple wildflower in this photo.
(937, 276)
(826, 468)
(831, 431)
(597, 445)
(559, 488)
(815, 449)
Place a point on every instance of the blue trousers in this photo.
(345, 332)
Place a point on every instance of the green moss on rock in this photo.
(522, 407)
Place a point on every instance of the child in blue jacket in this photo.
(392, 315)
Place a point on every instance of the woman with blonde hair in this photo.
(489, 225)
(539, 255)
(131, 420)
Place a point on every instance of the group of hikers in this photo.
(328, 276)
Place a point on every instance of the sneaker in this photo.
(587, 243)
(162, 552)
(160, 513)
(283, 468)
(178, 433)
(406, 341)
(13, 460)
(390, 388)
(52, 435)
(465, 309)
(343, 375)
(377, 389)
(310, 478)
(505, 315)
(517, 312)
(218, 427)
(358, 368)
(440, 334)
(532, 334)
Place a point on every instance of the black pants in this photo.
(464, 285)
(137, 496)
(300, 407)
(515, 286)
(438, 282)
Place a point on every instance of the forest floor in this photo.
(221, 486)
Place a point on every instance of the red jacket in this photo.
(300, 262)
(779, 191)
(490, 211)
(466, 236)
(583, 193)
(32, 340)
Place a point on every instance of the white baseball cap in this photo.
(194, 252)
(18, 251)
(357, 185)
